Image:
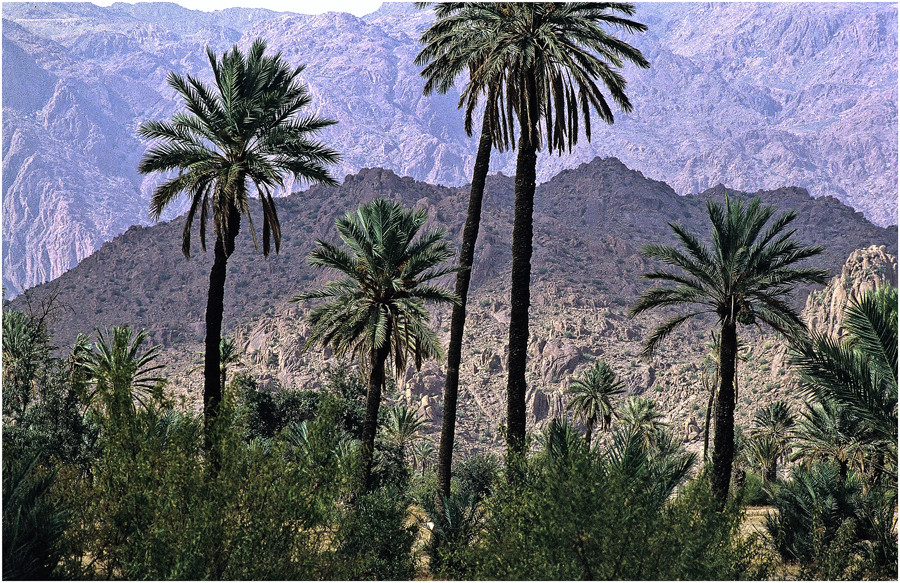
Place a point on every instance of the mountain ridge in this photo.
(772, 95)
(586, 273)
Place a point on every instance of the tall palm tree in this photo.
(245, 133)
(454, 44)
(377, 309)
(549, 56)
(592, 401)
(858, 374)
(710, 379)
(745, 278)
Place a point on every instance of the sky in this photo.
(356, 7)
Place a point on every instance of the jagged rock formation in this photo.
(589, 225)
(865, 270)
(752, 95)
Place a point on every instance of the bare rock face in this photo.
(558, 359)
(541, 406)
(865, 270)
(818, 111)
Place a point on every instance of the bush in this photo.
(33, 524)
(476, 475)
(153, 509)
(375, 538)
(267, 413)
(834, 528)
(573, 513)
(754, 492)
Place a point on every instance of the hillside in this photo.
(751, 95)
(589, 225)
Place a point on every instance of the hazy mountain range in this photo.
(748, 95)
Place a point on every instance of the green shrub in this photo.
(476, 475)
(267, 413)
(754, 493)
(574, 513)
(374, 539)
(153, 509)
(834, 528)
(33, 524)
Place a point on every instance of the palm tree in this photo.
(775, 422)
(639, 416)
(548, 56)
(828, 432)
(25, 348)
(745, 278)
(402, 426)
(859, 375)
(710, 379)
(121, 375)
(422, 450)
(228, 355)
(453, 44)
(378, 309)
(560, 442)
(763, 451)
(592, 397)
(244, 132)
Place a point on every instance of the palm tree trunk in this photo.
(373, 402)
(458, 318)
(215, 306)
(587, 434)
(723, 450)
(771, 472)
(709, 407)
(523, 229)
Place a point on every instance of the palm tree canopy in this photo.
(381, 298)
(592, 392)
(858, 374)
(244, 131)
(746, 277)
(403, 424)
(827, 431)
(461, 32)
(121, 372)
(640, 414)
(775, 421)
(564, 47)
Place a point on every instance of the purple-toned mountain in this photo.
(750, 95)
(589, 224)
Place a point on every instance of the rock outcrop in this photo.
(865, 270)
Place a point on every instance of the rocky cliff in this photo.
(756, 96)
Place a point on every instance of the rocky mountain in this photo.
(589, 224)
(751, 95)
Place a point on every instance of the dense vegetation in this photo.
(104, 476)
